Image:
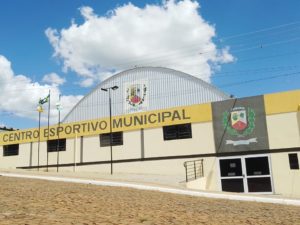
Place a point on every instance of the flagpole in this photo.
(58, 108)
(39, 140)
(75, 152)
(48, 128)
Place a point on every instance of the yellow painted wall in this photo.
(149, 119)
(282, 102)
(277, 103)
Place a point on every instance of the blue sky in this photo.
(260, 39)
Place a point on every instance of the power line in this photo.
(163, 55)
(260, 79)
(167, 58)
(175, 93)
(263, 69)
(177, 50)
(259, 31)
(214, 75)
(230, 37)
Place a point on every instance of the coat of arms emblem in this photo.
(239, 118)
(239, 122)
(136, 94)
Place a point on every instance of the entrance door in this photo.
(258, 174)
(250, 174)
(232, 178)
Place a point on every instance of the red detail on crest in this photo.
(135, 99)
(239, 125)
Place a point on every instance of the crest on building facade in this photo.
(239, 122)
(136, 96)
(240, 125)
(238, 118)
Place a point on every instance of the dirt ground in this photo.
(25, 201)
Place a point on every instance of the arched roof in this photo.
(164, 88)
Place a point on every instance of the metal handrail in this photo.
(193, 169)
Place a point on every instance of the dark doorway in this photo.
(231, 175)
(246, 174)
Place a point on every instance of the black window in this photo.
(117, 139)
(9, 150)
(231, 167)
(294, 163)
(181, 131)
(257, 166)
(58, 144)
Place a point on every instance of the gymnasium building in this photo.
(153, 120)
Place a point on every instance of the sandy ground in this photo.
(26, 201)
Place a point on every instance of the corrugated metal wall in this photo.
(166, 88)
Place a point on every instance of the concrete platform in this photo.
(168, 184)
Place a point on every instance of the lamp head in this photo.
(114, 87)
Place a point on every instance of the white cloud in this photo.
(173, 35)
(87, 82)
(19, 95)
(53, 79)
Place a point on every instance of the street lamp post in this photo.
(59, 108)
(110, 124)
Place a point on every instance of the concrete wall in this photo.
(16, 160)
(92, 151)
(286, 181)
(283, 130)
(202, 142)
(170, 168)
(154, 146)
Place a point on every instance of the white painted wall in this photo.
(11, 162)
(202, 142)
(286, 181)
(284, 130)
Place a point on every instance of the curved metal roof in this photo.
(166, 88)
